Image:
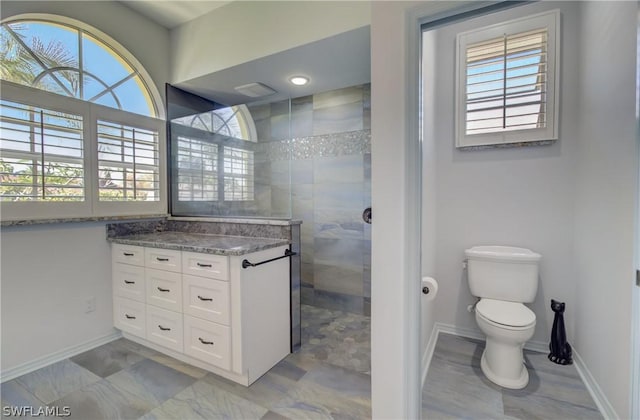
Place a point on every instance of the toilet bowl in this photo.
(508, 326)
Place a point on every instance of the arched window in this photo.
(70, 61)
(81, 129)
(214, 155)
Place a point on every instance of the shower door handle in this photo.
(366, 215)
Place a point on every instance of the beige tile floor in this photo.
(327, 378)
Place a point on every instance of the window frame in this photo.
(549, 20)
(91, 113)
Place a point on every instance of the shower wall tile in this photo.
(366, 159)
(307, 295)
(338, 196)
(338, 224)
(366, 105)
(307, 274)
(280, 172)
(280, 127)
(330, 170)
(338, 119)
(338, 279)
(338, 301)
(302, 171)
(308, 252)
(366, 282)
(338, 169)
(338, 97)
(345, 253)
(302, 116)
(261, 115)
(280, 108)
(280, 201)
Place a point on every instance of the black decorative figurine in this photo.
(559, 348)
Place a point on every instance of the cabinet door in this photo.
(129, 316)
(164, 289)
(206, 298)
(205, 265)
(163, 259)
(128, 281)
(208, 341)
(164, 328)
(127, 254)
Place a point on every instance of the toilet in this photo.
(504, 278)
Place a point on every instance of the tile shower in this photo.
(318, 154)
(306, 158)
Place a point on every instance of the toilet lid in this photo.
(511, 314)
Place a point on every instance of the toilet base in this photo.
(518, 383)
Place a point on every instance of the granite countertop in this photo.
(199, 242)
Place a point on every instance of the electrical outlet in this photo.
(90, 304)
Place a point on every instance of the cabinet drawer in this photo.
(205, 265)
(208, 341)
(128, 281)
(127, 254)
(163, 259)
(164, 328)
(129, 316)
(206, 298)
(164, 289)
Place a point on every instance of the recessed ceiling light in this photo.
(299, 80)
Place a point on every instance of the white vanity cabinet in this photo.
(205, 309)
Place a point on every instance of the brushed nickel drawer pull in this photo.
(162, 259)
(128, 254)
(163, 290)
(129, 316)
(205, 299)
(204, 265)
(164, 328)
(205, 341)
(129, 282)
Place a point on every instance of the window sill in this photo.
(9, 223)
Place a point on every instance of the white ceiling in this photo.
(172, 13)
(332, 63)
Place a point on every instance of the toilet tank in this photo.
(503, 273)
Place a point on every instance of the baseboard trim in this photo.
(14, 372)
(601, 400)
(537, 346)
(428, 352)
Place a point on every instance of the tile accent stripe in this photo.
(328, 145)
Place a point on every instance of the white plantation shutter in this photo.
(128, 163)
(197, 168)
(41, 154)
(507, 82)
(238, 174)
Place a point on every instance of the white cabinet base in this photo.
(241, 379)
(232, 321)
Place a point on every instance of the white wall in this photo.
(146, 40)
(516, 196)
(606, 194)
(394, 287)
(573, 201)
(48, 270)
(246, 30)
